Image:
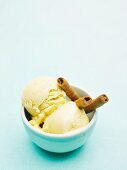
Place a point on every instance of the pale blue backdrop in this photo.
(84, 41)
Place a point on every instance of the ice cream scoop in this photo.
(66, 118)
(35, 92)
(41, 97)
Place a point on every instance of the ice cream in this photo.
(35, 93)
(49, 105)
(66, 118)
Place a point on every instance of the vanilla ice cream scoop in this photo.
(41, 97)
(66, 118)
(35, 92)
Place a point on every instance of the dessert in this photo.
(89, 105)
(66, 118)
(55, 107)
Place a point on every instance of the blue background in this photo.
(84, 41)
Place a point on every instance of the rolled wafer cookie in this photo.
(70, 92)
(91, 105)
(83, 101)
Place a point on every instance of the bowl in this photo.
(60, 143)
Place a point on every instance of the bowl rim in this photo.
(60, 136)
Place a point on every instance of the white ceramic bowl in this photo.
(61, 142)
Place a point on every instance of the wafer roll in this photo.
(83, 101)
(93, 104)
(70, 92)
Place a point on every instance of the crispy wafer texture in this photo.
(91, 105)
(70, 92)
(83, 101)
